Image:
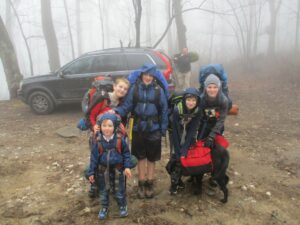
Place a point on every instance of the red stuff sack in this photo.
(198, 159)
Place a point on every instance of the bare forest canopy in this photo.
(39, 36)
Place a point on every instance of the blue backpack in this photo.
(216, 69)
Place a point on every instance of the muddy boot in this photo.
(149, 192)
(141, 189)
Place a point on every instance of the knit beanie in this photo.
(212, 79)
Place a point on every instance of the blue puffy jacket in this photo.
(95, 156)
(148, 115)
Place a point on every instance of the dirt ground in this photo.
(41, 172)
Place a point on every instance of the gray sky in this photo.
(119, 25)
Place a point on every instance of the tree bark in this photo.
(297, 28)
(148, 23)
(8, 21)
(78, 26)
(24, 37)
(181, 29)
(169, 34)
(212, 33)
(101, 22)
(49, 34)
(137, 4)
(69, 28)
(273, 8)
(9, 61)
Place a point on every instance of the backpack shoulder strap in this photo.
(135, 93)
(119, 143)
(100, 147)
(157, 95)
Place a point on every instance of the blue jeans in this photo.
(120, 188)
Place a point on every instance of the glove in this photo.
(209, 142)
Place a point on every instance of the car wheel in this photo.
(41, 103)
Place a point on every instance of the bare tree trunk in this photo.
(9, 61)
(148, 23)
(212, 32)
(297, 28)
(101, 22)
(49, 34)
(8, 16)
(69, 28)
(181, 29)
(169, 34)
(138, 15)
(24, 37)
(257, 27)
(243, 44)
(273, 23)
(78, 25)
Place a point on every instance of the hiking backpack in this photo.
(216, 69)
(96, 94)
(114, 158)
(176, 100)
(159, 82)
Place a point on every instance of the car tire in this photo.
(41, 103)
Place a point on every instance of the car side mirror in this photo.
(60, 74)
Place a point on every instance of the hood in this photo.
(109, 116)
(50, 76)
(191, 91)
(188, 92)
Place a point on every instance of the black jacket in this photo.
(214, 115)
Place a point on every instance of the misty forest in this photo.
(42, 157)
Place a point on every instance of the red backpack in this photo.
(198, 159)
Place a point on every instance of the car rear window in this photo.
(136, 60)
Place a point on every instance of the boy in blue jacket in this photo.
(185, 121)
(147, 102)
(110, 153)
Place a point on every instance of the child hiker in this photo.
(120, 88)
(184, 121)
(147, 101)
(110, 153)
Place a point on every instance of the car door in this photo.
(76, 79)
(78, 76)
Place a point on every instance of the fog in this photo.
(219, 31)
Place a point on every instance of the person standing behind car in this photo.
(147, 102)
(183, 65)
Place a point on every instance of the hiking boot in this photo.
(103, 213)
(123, 211)
(93, 191)
(141, 189)
(212, 183)
(149, 192)
(173, 189)
(180, 185)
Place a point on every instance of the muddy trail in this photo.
(42, 179)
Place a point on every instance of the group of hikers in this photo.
(189, 116)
